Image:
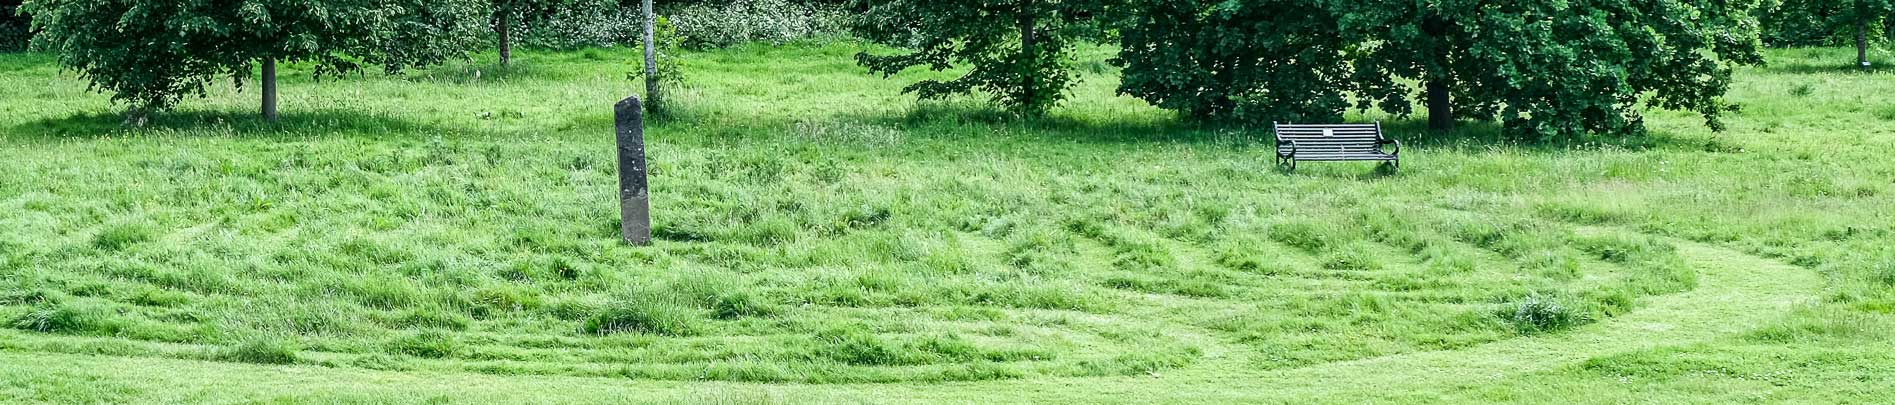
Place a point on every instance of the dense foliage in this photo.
(1543, 69)
(1547, 69)
(510, 16)
(1788, 23)
(151, 53)
(701, 25)
(14, 27)
(588, 24)
(1829, 22)
(712, 25)
(1016, 51)
(1251, 61)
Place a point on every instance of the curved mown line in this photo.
(1736, 292)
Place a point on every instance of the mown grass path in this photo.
(1736, 292)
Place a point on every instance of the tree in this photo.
(510, 16)
(1017, 51)
(1867, 14)
(1797, 23)
(152, 53)
(1254, 61)
(1549, 69)
(1829, 22)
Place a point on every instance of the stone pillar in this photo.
(634, 193)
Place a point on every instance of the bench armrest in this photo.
(1398, 145)
(1282, 143)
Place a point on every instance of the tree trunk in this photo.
(1440, 105)
(1439, 83)
(505, 29)
(269, 89)
(1029, 52)
(1862, 38)
(654, 99)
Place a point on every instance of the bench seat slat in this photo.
(1332, 136)
(1332, 142)
(1365, 141)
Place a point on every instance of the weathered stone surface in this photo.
(634, 192)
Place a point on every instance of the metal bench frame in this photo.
(1334, 143)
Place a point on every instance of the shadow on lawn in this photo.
(471, 72)
(972, 121)
(291, 125)
(1805, 67)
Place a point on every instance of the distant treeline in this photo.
(1785, 23)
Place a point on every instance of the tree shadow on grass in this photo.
(246, 124)
(530, 64)
(1825, 61)
(975, 121)
(980, 121)
(1881, 67)
(1415, 134)
(469, 72)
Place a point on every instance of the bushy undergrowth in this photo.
(15, 29)
(699, 25)
(721, 24)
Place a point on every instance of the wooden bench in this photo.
(1334, 143)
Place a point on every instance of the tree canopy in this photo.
(1017, 51)
(1551, 68)
(152, 53)
(1543, 69)
(1249, 61)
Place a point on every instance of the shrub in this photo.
(701, 25)
(742, 21)
(588, 25)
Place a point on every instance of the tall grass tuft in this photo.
(121, 235)
(1541, 314)
(261, 350)
(644, 313)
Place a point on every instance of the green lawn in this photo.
(451, 235)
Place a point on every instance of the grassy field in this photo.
(451, 235)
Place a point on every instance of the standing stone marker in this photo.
(634, 193)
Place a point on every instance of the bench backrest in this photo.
(1340, 136)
